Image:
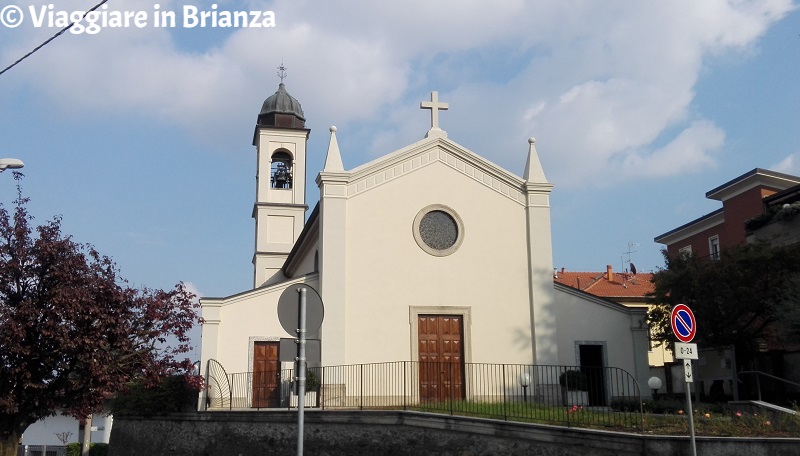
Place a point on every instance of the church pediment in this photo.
(427, 152)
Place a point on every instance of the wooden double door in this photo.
(441, 357)
(266, 375)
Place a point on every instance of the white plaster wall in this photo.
(278, 227)
(307, 264)
(267, 269)
(387, 272)
(43, 432)
(584, 320)
(251, 314)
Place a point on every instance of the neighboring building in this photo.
(54, 431)
(428, 253)
(626, 288)
(758, 205)
(623, 287)
(742, 199)
(780, 221)
(780, 225)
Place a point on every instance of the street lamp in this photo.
(654, 383)
(10, 163)
(525, 382)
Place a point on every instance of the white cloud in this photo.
(192, 288)
(691, 151)
(789, 165)
(599, 84)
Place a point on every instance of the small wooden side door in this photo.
(266, 375)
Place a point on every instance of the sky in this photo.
(140, 137)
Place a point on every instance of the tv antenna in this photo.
(631, 246)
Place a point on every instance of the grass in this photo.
(531, 412)
(725, 423)
(716, 421)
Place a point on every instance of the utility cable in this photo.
(61, 32)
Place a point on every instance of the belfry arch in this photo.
(281, 169)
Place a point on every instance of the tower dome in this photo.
(281, 110)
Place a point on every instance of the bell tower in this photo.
(280, 138)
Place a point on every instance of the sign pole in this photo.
(688, 364)
(300, 311)
(301, 369)
(684, 326)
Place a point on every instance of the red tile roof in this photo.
(622, 285)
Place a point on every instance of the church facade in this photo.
(430, 252)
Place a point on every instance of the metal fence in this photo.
(596, 397)
(41, 450)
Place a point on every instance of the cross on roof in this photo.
(282, 72)
(434, 105)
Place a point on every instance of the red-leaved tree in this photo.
(72, 332)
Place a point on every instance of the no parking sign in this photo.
(683, 323)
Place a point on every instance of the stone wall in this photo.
(393, 433)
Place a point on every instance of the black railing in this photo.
(597, 397)
(759, 374)
(218, 393)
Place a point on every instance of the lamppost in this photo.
(10, 163)
(525, 382)
(654, 383)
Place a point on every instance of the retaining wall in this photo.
(390, 433)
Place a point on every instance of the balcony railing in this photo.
(595, 397)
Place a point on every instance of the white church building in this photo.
(428, 253)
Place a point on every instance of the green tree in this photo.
(751, 293)
(71, 331)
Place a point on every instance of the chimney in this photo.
(562, 270)
(609, 273)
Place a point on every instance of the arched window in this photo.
(281, 169)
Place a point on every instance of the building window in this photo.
(685, 251)
(438, 230)
(713, 247)
(281, 169)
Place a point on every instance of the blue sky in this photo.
(141, 137)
